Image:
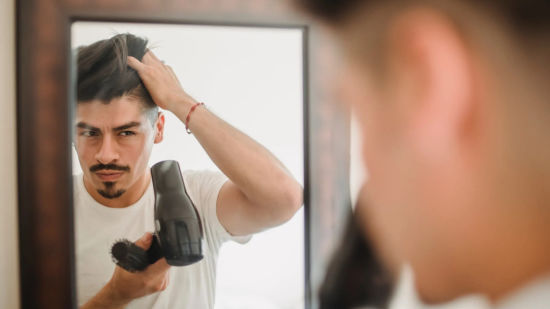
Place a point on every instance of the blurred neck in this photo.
(516, 233)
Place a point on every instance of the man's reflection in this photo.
(121, 85)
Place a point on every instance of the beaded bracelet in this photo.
(189, 117)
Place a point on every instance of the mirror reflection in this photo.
(188, 166)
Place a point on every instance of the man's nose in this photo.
(108, 152)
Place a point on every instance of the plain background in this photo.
(9, 259)
(252, 78)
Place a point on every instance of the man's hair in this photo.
(103, 72)
(523, 15)
(522, 26)
(355, 276)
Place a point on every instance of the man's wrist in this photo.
(181, 104)
(112, 298)
(183, 107)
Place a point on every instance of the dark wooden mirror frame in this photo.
(44, 93)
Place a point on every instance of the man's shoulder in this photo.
(201, 172)
(78, 184)
(203, 187)
(202, 178)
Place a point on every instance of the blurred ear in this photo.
(437, 79)
(159, 128)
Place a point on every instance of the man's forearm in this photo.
(105, 299)
(258, 174)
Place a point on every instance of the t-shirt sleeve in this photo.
(203, 187)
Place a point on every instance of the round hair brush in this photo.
(129, 256)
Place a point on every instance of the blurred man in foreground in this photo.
(452, 100)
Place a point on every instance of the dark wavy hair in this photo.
(523, 15)
(355, 277)
(103, 72)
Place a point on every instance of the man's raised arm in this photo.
(260, 193)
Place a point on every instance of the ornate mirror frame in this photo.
(47, 261)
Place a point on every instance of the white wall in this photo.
(9, 258)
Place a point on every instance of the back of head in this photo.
(524, 14)
(483, 185)
(103, 73)
(524, 22)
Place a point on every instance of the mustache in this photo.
(112, 167)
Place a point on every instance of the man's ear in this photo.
(438, 67)
(159, 128)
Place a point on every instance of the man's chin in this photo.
(111, 194)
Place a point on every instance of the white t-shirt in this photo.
(98, 227)
(534, 295)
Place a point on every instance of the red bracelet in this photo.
(189, 117)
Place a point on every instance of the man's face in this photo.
(113, 142)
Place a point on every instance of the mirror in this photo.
(252, 78)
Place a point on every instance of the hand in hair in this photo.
(161, 82)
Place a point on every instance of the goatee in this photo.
(109, 193)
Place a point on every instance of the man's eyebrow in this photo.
(127, 126)
(86, 126)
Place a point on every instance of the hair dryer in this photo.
(178, 229)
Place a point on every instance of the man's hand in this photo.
(161, 82)
(125, 286)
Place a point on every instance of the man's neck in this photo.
(130, 197)
(520, 256)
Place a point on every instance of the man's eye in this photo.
(88, 133)
(127, 133)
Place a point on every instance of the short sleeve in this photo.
(203, 187)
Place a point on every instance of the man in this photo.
(452, 101)
(121, 86)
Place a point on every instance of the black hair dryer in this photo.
(178, 229)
